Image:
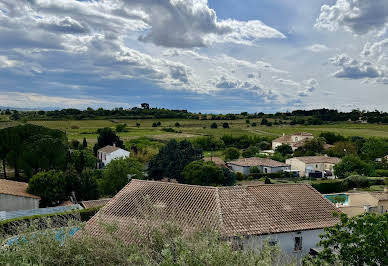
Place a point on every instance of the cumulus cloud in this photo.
(353, 69)
(308, 86)
(317, 48)
(6, 63)
(357, 16)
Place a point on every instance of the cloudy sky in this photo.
(205, 56)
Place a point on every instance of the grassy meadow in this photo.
(79, 129)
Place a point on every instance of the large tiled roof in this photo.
(94, 203)
(318, 159)
(239, 210)
(255, 161)
(108, 149)
(15, 188)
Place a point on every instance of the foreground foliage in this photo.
(166, 245)
(360, 240)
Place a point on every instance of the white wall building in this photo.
(265, 165)
(108, 153)
(295, 141)
(14, 196)
(313, 164)
(289, 215)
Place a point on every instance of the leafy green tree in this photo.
(231, 154)
(331, 137)
(89, 160)
(250, 152)
(121, 127)
(352, 164)
(118, 173)
(208, 143)
(225, 125)
(74, 144)
(154, 124)
(284, 149)
(264, 122)
(172, 159)
(254, 124)
(229, 177)
(88, 185)
(342, 148)
(106, 136)
(360, 240)
(137, 125)
(311, 147)
(213, 125)
(177, 124)
(203, 173)
(49, 186)
(374, 148)
(84, 144)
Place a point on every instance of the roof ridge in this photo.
(219, 209)
(170, 183)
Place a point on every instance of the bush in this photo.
(240, 176)
(208, 143)
(49, 186)
(330, 186)
(121, 128)
(164, 244)
(169, 129)
(231, 154)
(352, 164)
(225, 125)
(382, 172)
(213, 125)
(250, 152)
(177, 124)
(357, 181)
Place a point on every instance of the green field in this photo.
(78, 129)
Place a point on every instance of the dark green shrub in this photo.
(382, 172)
(330, 186)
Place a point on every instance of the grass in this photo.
(78, 129)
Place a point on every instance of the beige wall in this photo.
(297, 165)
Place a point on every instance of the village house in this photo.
(357, 203)
(295, 140)
(14, 196)
(289, 215)
(265, 165)
(314, 166)
(108, 153)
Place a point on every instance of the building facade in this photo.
(14, 196)
(295, 141)
(265, 165)
(319, 166)
(108, 153)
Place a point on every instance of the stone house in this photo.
(319, 166)
(265, 165)
(14, 196)
(295, 140)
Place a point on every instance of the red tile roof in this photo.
(15, 188)
(108, 149)
(94, 203)
(239, 210)
(318, 159)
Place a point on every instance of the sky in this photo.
(216, 56)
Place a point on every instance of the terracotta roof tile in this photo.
(15, 188)
(255, 161)
(240, 210)
(318, 159)
(108, 149)
(95, 203)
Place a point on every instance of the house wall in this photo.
(115, 155)
(247, 169)
(297, 165)
(275, 144)
(15, 203)
(286, 242)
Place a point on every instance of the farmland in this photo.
(79, 129)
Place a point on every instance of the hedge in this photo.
(7, 226)
(382, 172)
(269, 175)
(330, 186)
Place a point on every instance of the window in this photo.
(316, 166)
(272, 243)
(265, 170)
(298, 243)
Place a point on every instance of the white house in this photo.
(314, 165)
(14, 196)
(289, 215)
(265, 165)
(108, 153)
(295, 140)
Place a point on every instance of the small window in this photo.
(316, 166)
(265, 170)
(298, 243)
(272, 243)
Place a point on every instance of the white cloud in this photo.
(317, 48)
(6, 63)
(357, 16)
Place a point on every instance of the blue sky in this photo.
(204, 56)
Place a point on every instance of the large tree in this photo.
(171, 160)
(203, 173)
(106, 136)
(374, 148)
(352, 165)
(118, 173)
(360, 240)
